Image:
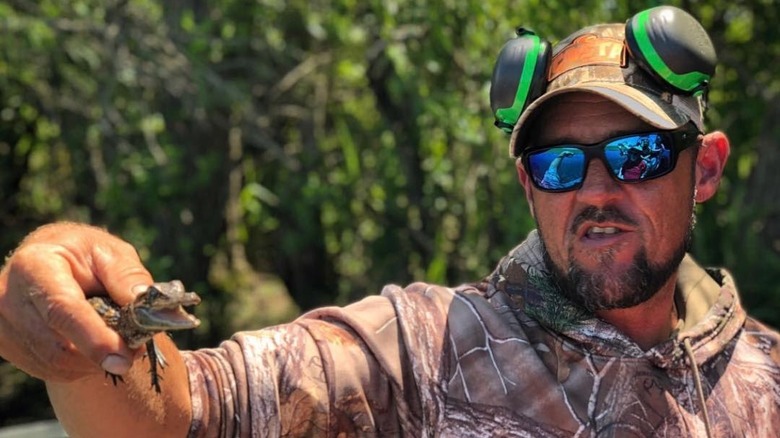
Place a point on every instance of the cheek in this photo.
(668, 211)
(551, 213)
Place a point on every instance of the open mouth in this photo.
(165, 319)
(594, 230)
(597, 232)
(615, 238)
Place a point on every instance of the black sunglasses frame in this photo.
(681, 139)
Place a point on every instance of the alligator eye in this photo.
(151, 295)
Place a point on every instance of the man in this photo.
(597, 324)
(634, 166)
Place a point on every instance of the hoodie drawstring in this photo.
(699, 389)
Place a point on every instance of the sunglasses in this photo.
(630, 158)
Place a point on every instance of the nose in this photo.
(598, 188)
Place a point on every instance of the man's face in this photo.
(609, 244)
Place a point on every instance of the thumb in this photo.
(118, 269)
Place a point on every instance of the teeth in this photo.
(604, 230)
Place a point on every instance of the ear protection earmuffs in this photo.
(673, 47)
(665, 41)
(519, 77)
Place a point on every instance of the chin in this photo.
(606, 288)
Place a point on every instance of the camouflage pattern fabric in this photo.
(504, 357)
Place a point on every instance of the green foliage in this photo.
(337, 145)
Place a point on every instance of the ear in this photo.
(710, 161)
(525, 181)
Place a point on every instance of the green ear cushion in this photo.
(519, 77)
(672, 46)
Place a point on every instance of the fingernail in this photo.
(115, 364)
(138, 288)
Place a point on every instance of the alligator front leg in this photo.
(155, 358)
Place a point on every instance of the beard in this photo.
(605, 290)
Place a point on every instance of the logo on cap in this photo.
(587, 50)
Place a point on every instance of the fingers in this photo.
(117, 265)
(47, 327)
(55, 326)
(42, 355)
(26, 341)
(99, 262)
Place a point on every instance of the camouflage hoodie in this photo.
(505, 357)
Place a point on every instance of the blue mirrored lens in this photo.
(638, 157)
(631, 158)
(557, 168)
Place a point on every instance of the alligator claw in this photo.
(115, 377)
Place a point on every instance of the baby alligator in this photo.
(159, 308)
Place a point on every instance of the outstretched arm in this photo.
(49, 330)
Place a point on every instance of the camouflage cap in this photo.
(595, 60)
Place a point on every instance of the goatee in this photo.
(603, 289)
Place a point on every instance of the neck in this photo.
(649, 323)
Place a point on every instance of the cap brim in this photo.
(649, 107)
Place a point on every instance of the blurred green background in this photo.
(280, 155)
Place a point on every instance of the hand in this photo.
(47, 328)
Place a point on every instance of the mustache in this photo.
(607, 214)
